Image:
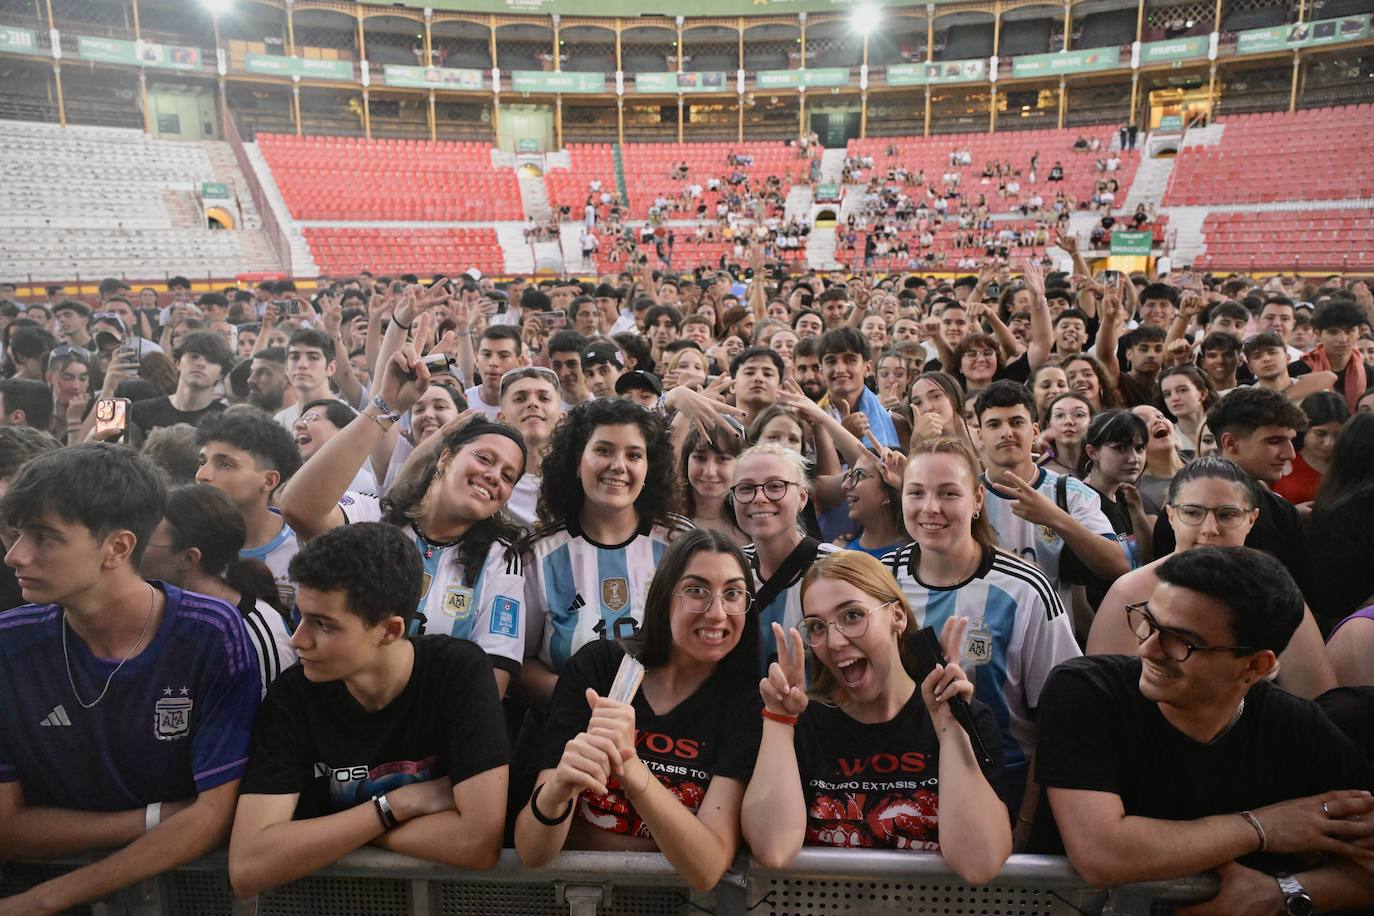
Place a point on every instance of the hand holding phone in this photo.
(111, 418)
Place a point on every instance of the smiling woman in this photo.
(665, 771)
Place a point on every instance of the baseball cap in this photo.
(602, 351)
(638, 379)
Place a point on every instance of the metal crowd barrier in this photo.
(821, 882)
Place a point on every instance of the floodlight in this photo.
(865, 18)
(217, 7)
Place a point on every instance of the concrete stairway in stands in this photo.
(221, 156)
(832, 166)
(519, 257)
(534, 195)
(302, 261)
(1151, 181)
(799, 200)
(820, 248)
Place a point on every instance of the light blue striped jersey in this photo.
(786, 608)
(578, 590)
(1040, 544)
(1030, 634)
(490, 610)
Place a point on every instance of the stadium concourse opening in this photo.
(773, 458)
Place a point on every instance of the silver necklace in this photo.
(1240, 710)
(152, 603)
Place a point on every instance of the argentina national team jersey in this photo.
(785, 609)
(580, 590)
(276, 554)
(1040, 544)
(489, 612)
(1029, 629)
(175, 721)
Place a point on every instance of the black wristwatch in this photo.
(1296, 900)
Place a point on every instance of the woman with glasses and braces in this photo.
(867, 757)
(769, 492)
(1212, 503)
(1017, 629)
(666, 771)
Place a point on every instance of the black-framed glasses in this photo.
(1194, 515)
(852, 624)
(855, 476)
(697, 599)
(1175, 646)
(773, 490)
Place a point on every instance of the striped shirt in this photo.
(579, 590)
(270, 638)
(486, 608)
(1014, 602)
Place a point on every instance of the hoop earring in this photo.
(977, 512)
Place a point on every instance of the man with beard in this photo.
(806, 368)
(532, 402)
(267, 388)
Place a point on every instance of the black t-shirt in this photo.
(150, 414)
(317, 740)
(1099, 733)
(1278, 532)
(878, 786)
(714, 732)
(1341, 547)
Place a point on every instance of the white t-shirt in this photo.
(474, 396)
(523, 498)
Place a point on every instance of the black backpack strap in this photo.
(1061, 492)
(802, 556)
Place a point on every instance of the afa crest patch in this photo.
(172, 715)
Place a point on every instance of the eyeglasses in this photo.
(852, 624)
(1194, 515)
(854, 476)
(697, 599)
(307, 418)
(773, 490)
(1173, 644)
(981, 354)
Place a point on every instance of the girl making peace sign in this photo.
(873, 761)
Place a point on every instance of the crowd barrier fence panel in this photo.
(821, 882)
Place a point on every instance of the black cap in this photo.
(602, 351)
(638, 379)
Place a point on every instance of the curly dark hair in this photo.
(257, 434)
(560, 492)
(404, 502)
(375, 565)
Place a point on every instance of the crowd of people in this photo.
(1070, 562)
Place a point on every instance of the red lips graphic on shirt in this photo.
(613, 812)
(894, 821)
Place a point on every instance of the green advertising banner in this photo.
(431, 77)
(19, 41)
(635, 8)
(527, 145)
(550, 81)
(1302, 34)
(1158, 52)
(827, 191)
(1084, 61)
(791, 79)
(214, 190)
(945, 71)
(1132, 241)
(137, 53)
(706, 81)
(1170, 122)
(274, 65)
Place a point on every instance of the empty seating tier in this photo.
(349, 178)
(1287, 240)
(1318, 154)
(350, 250)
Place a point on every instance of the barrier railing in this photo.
(820, 881)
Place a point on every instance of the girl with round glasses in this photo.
(770, 489)
(1017, 628)
(1212, 503)
(866, 718)
(666, 771)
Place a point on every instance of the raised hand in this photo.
(944, 682)
(1067, 242)
(784, 689)
(1029, 503)
(405, 377)
(1034, 276)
